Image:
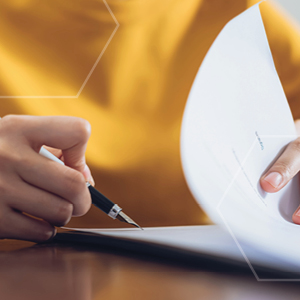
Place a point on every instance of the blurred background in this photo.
(292, 7)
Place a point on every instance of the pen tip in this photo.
(124, 218)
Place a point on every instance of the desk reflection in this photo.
(55, 272)
(50, 273)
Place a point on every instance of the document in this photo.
(236, 122)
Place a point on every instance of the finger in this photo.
(15, 225)
(57, 179)
(283, 170)
(296, 216)
(40, 204)
(69, 134)
(297, 125)
(86, 172)
(54, 151)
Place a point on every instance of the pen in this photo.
(111, 209)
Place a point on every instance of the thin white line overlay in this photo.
(89, 74)
(227, 225)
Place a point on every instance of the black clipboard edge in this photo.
(168, 255)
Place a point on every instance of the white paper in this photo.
(211, 240)
(236, 122)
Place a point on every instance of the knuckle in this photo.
(284, 169)
(295, 145)
(82, 128)
(74, 182)
(63, 213)
(6, 128)
(78, 195)
(42, 232)
(10, 135)
(11, 122)
(83, 207)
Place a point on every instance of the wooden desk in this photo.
(66, 271)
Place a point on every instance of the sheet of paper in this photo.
(211, 240)
(237, 120)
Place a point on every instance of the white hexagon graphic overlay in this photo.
(268, 227)
(89, 73)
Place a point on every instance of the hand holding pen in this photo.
(98, 199)
(36, 193)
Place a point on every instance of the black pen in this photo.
(99, 200)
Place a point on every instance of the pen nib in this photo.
(124, 218)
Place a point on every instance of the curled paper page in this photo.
(236, 121)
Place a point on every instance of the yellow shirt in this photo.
(130, 82)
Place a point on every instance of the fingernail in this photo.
(88, 176)
(92, 181)
(51, 234)
(274, 178)
(298, 212)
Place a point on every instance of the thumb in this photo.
(283, 170)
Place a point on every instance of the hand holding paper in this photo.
(238, 85)
(283, 170)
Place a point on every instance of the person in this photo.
(126, 67)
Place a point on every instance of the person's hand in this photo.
(283, 170)
(37, 193)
